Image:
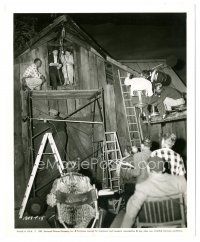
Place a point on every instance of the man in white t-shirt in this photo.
(138, 84)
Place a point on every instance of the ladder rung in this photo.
(134, 131)
(112, 141)
(135, 139)
(132, 123)
(114, 179)
(129, 115)
(113, 169)
(125, 92)
(112, 150)
(48, 153)
(129, 107)
(127, 99)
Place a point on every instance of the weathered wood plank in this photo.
(101, 73)
(109, 98)
(79, 144)
(62, 107)
(40, 108)
(170, 118)
(155, 135)
(65, 94)
(70, 105)
(85, 68)
(77, 65)
(93, 71)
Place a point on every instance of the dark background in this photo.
(125, 36)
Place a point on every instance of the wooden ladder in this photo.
(47, 136)
(112, 156)
(134, 132)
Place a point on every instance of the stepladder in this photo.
(132, 115)
(46, 138)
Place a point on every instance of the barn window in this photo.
(61, 66)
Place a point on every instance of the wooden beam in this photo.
(67, 121)
(120, 65)
(95, 52)
(143, 61)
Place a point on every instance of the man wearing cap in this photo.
(171, 157)
(156, 185)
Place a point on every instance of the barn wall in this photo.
(92, 76)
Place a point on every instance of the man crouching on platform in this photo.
(32, 78)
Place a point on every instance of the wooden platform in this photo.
(65, 94)
(169, 118)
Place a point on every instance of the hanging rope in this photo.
(63, 33)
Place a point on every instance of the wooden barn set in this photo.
(95, 112)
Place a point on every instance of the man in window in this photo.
(32, 78)
(55, 69)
